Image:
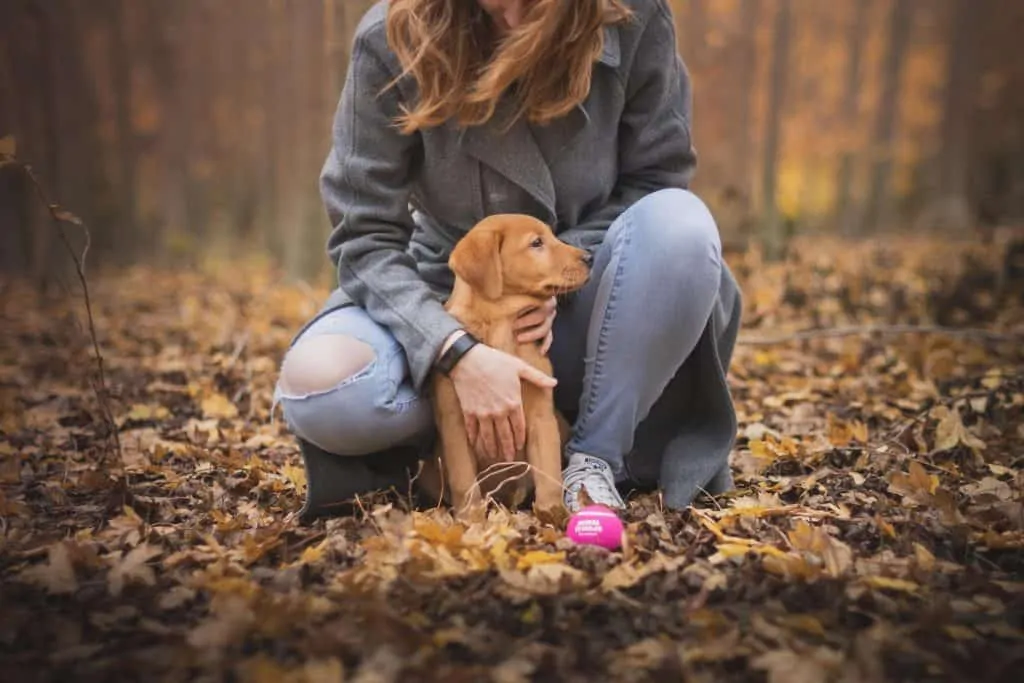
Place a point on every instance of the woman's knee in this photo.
(673, 227)
(348, 404)
(319, 363)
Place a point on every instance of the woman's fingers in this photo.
(531, 335)
(548, 340)
(506, 439)
(488, 442)
(472, 428)
(532, 318)
(535, 376)
(518, 421)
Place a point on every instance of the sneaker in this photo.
(594, 475)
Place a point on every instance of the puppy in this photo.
(506, 264)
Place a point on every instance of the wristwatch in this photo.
(454, 353)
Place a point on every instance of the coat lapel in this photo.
(514, 153)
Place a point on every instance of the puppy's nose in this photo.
(587, 258)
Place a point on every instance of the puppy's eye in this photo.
(537, 243)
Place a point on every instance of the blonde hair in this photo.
(462, 68)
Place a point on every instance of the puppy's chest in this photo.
(501, 336)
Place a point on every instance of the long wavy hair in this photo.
(462, 68)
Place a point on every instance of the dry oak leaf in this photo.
(916, 484)
(951, 432)
(133, 568)
(836, 555)
(886, 582)
(57, 575)
(841, 433)
(548, 578)
(785, 666)
(217, 405)
(144, 412)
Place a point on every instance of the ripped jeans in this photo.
(620, 344)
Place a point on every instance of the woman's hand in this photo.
(534, 324)
(488, 384)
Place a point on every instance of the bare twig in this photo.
(856, 330)
(61, 216)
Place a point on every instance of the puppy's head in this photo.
(508, 254)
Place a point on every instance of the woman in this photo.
(577, 113)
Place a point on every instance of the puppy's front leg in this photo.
(457, 455)
(544, 453)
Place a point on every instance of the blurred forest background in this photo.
(183, 129)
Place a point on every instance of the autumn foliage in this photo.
(877, 531)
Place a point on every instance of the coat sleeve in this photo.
(655, 144)
(365, 185)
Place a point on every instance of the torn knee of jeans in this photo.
(283, 394)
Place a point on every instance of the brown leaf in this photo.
(132, 568)
(951, 432)
(219, 406)
(8, 146)
(916, 484)
(786, 666)
(57, 574)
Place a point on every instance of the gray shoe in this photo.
(594, 475)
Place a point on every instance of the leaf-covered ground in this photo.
(876, 533)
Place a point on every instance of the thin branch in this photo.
(864, 330)
(60, 217)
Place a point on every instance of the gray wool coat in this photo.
(399, 203)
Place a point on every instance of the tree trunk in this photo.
(958, 108)
(127, 152)
(773, 236)
(695, 32)
(886, 116)
(857, 32)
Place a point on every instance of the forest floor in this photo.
(876, 532)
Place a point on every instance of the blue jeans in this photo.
(619, 345)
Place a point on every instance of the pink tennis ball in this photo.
(596, 525)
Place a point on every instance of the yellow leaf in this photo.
(885, 582)
(803, 622)
(324, 671)
(842, 433)
(958, 632)
(217, 406)
(313, 553)
(296, 475)
(532, 614)
(141, 412)
(536, 557)
(728, 550)
(924, 557)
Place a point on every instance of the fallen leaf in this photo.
(57, 574)
(951, 432)
(786, 666)
(218, 406)
(132, 568)
(885, 582)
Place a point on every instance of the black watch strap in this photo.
(455, 352)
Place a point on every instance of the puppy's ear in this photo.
(476, 260)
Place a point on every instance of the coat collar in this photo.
(514, 153)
